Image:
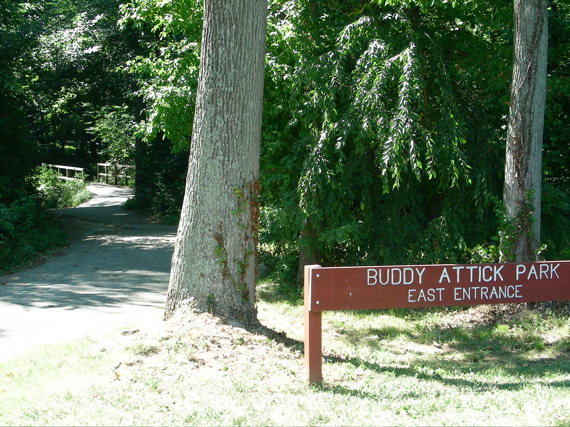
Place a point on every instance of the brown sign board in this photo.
(415, 286)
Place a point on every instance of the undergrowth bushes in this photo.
(159, 191)
(26, 229)
(57, 193)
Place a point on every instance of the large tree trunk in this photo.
(214, 257)
(523, 169)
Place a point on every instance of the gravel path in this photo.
(113, 276)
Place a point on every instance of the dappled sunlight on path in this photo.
(116, 274)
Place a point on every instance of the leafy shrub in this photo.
(58, 193)
(25, 230)
(17, 217)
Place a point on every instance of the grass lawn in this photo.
(428, 367)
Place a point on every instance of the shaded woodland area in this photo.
(384, 123)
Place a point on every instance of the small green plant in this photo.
(210, 303)
(220, 253)
(241, 201)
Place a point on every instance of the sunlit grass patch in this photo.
(393, 367)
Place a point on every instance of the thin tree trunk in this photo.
(214, 259)
(308, 254)
(523, 168)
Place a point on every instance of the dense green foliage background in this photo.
(384, 121)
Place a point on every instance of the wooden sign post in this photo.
(415, 286)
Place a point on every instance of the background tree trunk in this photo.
(214, 257)
(523, 169)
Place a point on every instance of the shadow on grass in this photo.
(277, 292)
(516, 369)
(278, 337)
(488, 359)
(496, 355)
(531, 374)
(502, 339)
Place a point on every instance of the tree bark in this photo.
(523, 168)
(214, 260)
(308, 253)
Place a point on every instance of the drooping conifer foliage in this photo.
(379, 144)
(385, 131)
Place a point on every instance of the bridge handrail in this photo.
(58, 168)
(114, 171)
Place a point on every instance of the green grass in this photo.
(381, 368)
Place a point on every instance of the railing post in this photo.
(313, 334)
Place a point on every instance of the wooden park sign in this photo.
(415, 286)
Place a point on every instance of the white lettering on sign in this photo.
(544, 272)
(425, 295)
(487, 293)
(444, 275)
(477, 282)
(394, 276)
(472, 273)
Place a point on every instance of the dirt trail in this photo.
(114, 275)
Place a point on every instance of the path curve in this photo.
(114, 276)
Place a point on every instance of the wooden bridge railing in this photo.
(115, 174)
(64, 172)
